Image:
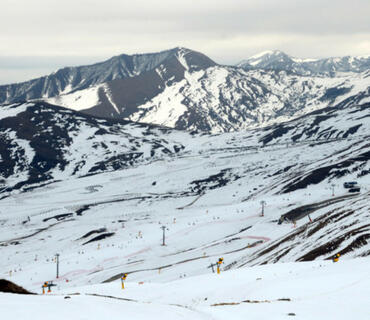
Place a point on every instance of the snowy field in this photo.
(310, 290)
(208, 197)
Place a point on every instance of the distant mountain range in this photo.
(185, 89)
(277, 60)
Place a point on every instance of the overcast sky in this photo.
(39, 36)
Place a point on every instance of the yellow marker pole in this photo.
(123, 278)
(219, 262)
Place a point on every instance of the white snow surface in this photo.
(12, 110)
(315, 290)
(78, 100)
(174, 281)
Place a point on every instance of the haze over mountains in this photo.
(184, 89)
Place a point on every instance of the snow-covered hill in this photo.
(98, 193)
(206, 189)
(315, 290)
(41, 142)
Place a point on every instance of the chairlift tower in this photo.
(263, 204)
(332, 189)
(57, 262)
(164, 235)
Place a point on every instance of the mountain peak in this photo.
(278, 60)
(267, 53)
(265, 57)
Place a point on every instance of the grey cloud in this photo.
(203, 15)
(227, 31)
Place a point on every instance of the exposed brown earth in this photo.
(10, 287)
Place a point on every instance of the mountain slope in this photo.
(70, 79)
(247, 293)
(217, 99)
(42, 142)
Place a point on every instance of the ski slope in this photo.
(310, 290)
(208, 196)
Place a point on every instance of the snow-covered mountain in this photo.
(216, 99)
(71, 79)
(278, 60)
(184, 89)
